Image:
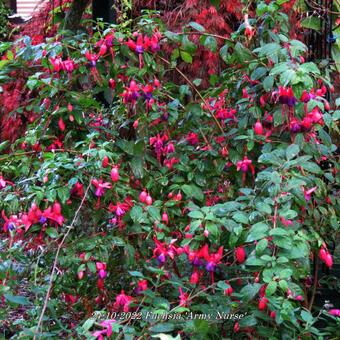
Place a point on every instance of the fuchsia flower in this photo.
(142, 285)
(158, 145)
(286, 96)
(101, 186)
(57, 63)
(120, 208)
(54, 213)
(192, 138)
(212, 259)
(243, 166)
(183, 302)
(161, 250)
(101, 266)
(335, 312)
(92, 58)
(68, 65)
(123, 300)
(108, 331)
(308, 192)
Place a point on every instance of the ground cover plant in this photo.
(142, 203)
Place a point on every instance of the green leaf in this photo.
(51, 232)
(186, 57)
(137, 167)
(196, 26)
(258, 73)
(211, 44)
(136, 213)
(311, 167)
(261, 246)
(325, 137)
(162, 327)
(263, 207)
(212, 228)
(92, 266)
(257, 231)
(189, 46)
(193, 191)
(283, 285)
(311, 22)
(271, 288)
(225, 55)
(196, 214)
(154, 212)
(20, 300)
(268, 83)
(292, 151)
(241, 217)
(250, 290)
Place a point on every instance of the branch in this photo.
(55, 263)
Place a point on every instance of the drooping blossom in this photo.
(123, 300)
(101, 186)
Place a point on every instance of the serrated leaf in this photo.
(261, 246)
(292, 151)
(268, 83)
(211, 44)
(271, 288)
(20, 300)
(197, 26)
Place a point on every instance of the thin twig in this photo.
(198, 92)
(32, 152)
(314, 283)
(55, 263)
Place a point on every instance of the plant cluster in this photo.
(136, 207)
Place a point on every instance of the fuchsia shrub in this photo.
(194, 213)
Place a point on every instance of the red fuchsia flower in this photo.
(123, 300)
(243, 166)
(306, 97)
(3, 183)
(68, 65)
(170, 162)
(101, 186)
(335, 312)
(272, 315)
(286, 96)
(101, 266)
(316, 116)
(263, 303)
(54, 213)
(183, 302)
(240, 255)
(147, 91)
(158, 145)
(77, 190)
(57, 63)
(229, 291)
(250, 31)
(308, 192)
(212, 259)
(142, 285)
(161, 250)
(108, 331)
(121, 208)
(294, 125)
(286, 222)
(192, 138)
(236, 326)
(306, 124)
(92, 58)
(80, 275)
(165, 218)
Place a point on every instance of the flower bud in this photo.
(105, 162)
(80, 275)
(148, 200)
(258, 128)
(240, 254)
(142, 196)
(114, 174)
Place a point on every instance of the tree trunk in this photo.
(74, 14)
